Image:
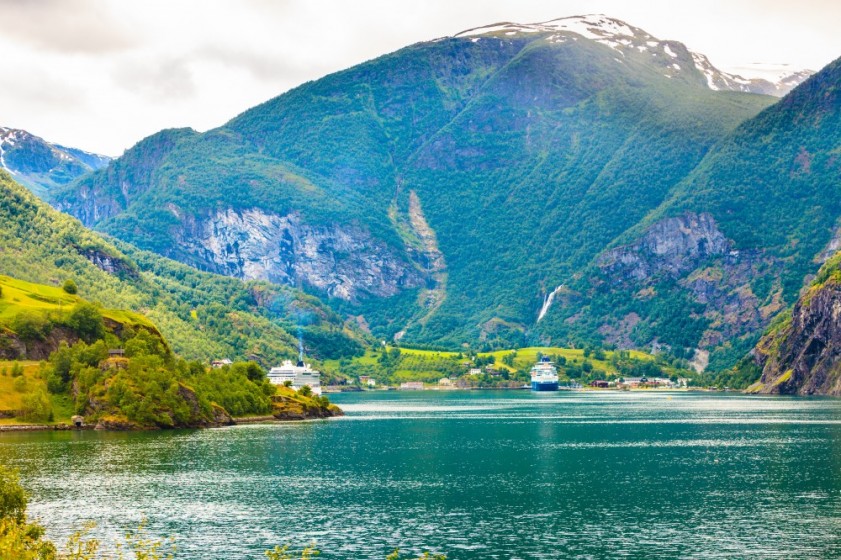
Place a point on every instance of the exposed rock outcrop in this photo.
(342, 261)
(109, 263)
(692, 252)
(803, 354)
(12, 347)
(671, 246)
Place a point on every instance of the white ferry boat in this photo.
(299, 375)
(544, 376)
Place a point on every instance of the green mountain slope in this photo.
(438, 193)
(733, 243)
(202, 316)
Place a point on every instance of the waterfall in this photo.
(547, 303)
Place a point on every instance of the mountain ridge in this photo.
(42, 166)
(621, 36)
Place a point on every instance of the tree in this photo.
(87, 321)
(36, 407)
(31, 326)
(70, 287)
(254, 372)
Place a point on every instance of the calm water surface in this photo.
(478, 475)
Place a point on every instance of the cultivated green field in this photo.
(526, 357)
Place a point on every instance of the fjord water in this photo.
(476, 475)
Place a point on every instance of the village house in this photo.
(216, 364)
(411, 386)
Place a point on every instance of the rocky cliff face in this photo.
(341, 261)
(801, 355)
(691, 251)
(670, 247)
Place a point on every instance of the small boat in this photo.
(544, 376)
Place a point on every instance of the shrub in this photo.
(70, 287)
(31, 326)
(36, 407)
(13, 498)
(19, 384)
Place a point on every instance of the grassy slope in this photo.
(19, 296)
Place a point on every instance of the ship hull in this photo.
(544, 385)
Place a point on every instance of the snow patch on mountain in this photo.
(625, 38)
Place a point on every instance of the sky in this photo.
(103, 74)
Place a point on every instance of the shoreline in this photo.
(245, 420)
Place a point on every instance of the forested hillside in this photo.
(732, 245)
(202, 316)
(438, 193)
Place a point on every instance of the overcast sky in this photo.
(100, 75)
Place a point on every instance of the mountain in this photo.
(801, 353)
(202, 316)
(40, 165)
(732, 244)
(671, 55)
(438, 193)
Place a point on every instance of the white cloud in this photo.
(101, 74)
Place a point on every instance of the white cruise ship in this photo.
(299, 375)
(544, 376)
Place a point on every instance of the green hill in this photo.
(202, 316)
(438, 193)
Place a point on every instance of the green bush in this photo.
(31, 326)
(70, 287)
(36, 407)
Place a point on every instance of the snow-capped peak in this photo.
(671, 57)
(597, 27)
(41, 165)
